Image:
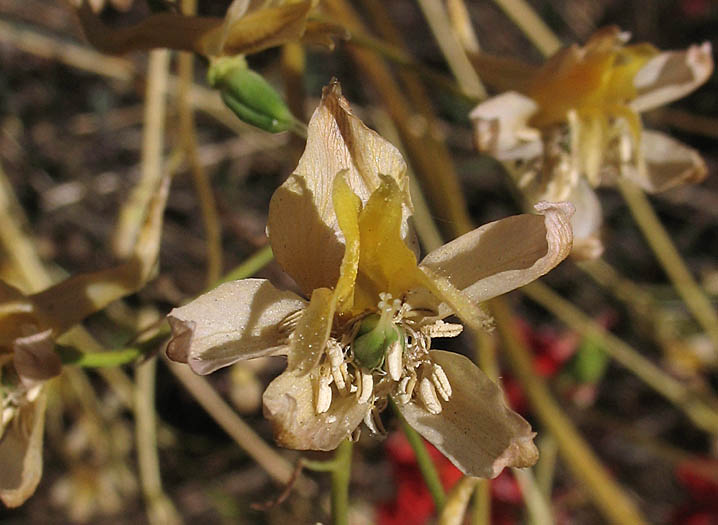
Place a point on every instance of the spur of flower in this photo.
(573, 124)
(361, 334)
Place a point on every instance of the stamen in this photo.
(373, 422)
(366, 386)
(336, 361)
(324, 392)
(427, 394)
(395, 360)
(406, 388)
(441, 382)
(442, 329)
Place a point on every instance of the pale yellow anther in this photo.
(324, 393)
(441, 382)
(442, 329)
(365, 382)
(427, 394)
(395, 360)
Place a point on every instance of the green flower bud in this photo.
(373, 339)
(249, 95)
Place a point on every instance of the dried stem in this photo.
(460, 65)
(585, 466)
(672, 262)
(160, 510)
(531, 24)
(699, 409)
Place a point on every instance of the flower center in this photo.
(385, 353)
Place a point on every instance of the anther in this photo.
(366, 386)
(395, 360)
(324, 393)
(427, 394)
(406, 389)
(441, 382)
(442, 329)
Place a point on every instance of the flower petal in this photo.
(475, 429)
(237, 320)
(302, 225)
(667, 163)
(310, 337)
(289, 405)
(672, 75)
(35, 358)
(506, 254)
(21, 454)
(501, 127)
(586, 222)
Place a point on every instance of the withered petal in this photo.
(506, 254)
(289, 406)
(302, 225)
(35, 358)
(21, 454)
(237, 320)
(475, 429)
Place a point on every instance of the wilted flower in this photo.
(249, 26)
(29, 326)
(341, 227)
(574, 124)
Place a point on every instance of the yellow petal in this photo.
(311, 335)
(302, 226)
(386, 264)
(347, 207)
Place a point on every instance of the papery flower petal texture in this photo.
(573, 124)
(361, 333)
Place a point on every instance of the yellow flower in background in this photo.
(30, 325)
(573, 124)
(363, 330)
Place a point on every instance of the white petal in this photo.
(475, 429)
(501, 127)
(672, 75)
(237, 320)
(302, 227)
(506, 254)
(289, 405)
(667, 163)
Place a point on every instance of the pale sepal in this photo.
(475, 429)
(490, 260)
(21, 453)
(289, 406)
(672, 75)
(235, 321)
(666, 164)
(586, 222)
(302, 226)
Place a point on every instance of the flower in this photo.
(573, 124)
(29, 326)
(362, 331)
(249, 26)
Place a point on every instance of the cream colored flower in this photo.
(29, 326)
(363, 330)
(574, 124)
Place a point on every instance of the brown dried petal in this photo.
(237, 320)
(21, 454)
(289, 405)
(506, 254)
(475, 429)
(35, 358)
